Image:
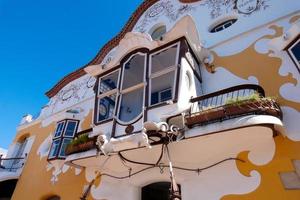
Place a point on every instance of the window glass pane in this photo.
(223, 25)
(164, 59)
(165, 95)
(131, 105)
(106, 107)
(296, 51)
(162, 88)
(219, 28)
(70, 129)
(133, 71)
(227, 24)
(108, 82)
(158, 32)
(59, 129)
(54, 148)
(66, 141)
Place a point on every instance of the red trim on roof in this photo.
(107, 47)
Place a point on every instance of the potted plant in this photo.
(207, 114)
(80, 143)
(252, 103)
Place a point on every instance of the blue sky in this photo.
(42, 41)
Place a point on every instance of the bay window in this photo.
(64, 133)
(144, 79)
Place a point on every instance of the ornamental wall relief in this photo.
(170, 9)
(274, 72)
(71, 94)
(245, 7)
(265, 68)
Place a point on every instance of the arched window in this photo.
(223, 25)
(158, 32)
(20, 153)
(157, 191)
(22, 144)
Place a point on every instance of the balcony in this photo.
(11, 168)
(235, 107)
(235, 119)
(81, 143)
(230, 103)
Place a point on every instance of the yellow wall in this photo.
(266, 70)
(271, 186)
(34, 183)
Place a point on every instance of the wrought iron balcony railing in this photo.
(231, 103)
(12, 164)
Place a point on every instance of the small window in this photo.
(62, 137)
(294, 52)
(159, 32)
(221, 26)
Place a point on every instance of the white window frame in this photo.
(163, 72)
(106, 94)
(66, 125)
(61, 146)
(297, 62)
(61, 138)
(56, 155)
(132, 88)
(62, 130)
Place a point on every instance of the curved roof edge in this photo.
(107, 47)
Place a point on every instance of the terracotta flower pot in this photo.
(205, 116)
(80, 147)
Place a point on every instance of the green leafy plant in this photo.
(270, 98)
(238, 100)
(204, 108)
(81, 139)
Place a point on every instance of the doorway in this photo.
(157, 191)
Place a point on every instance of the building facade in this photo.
(193, 99)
